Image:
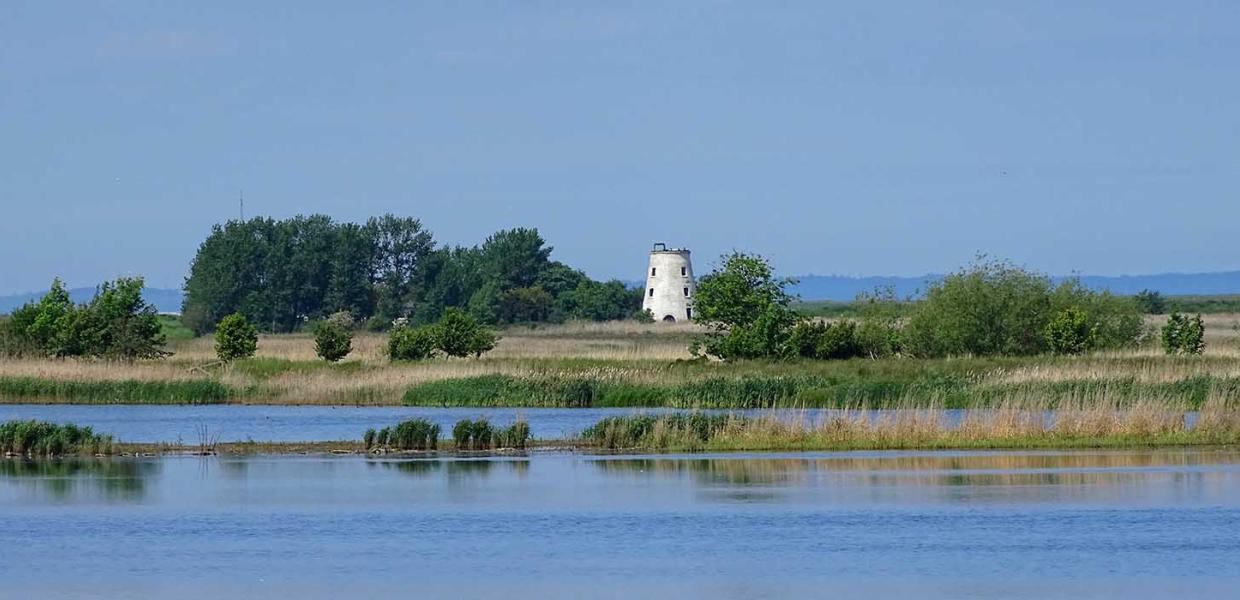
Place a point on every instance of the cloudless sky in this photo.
(876, 138)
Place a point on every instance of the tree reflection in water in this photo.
(111, 479)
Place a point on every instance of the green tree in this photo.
(116, 323)
(1151, 302)
(235, 338)
(525, 305)
(332, 342)
(1071, 332)
(459, 334)
(400, 247)
(412, 343)
(746, 308)
(119, 323)
(515, 258)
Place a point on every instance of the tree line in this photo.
(990, 308)
(282, 274)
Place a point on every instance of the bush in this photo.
(459, 334)
(412, 343)
(1183, 334)
(332, 342)
(1070, 332)
(995, 308)
(235, 338)
(812, 339)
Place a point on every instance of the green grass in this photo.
(117, 392)
(839, 390)
(173, 329)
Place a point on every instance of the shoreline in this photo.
(446, 450)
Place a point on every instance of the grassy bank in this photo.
(1012, 425)
(622, 364)
(801, 391)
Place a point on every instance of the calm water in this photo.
(1160, 524)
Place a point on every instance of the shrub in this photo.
(332, 342)
(1070, 332)
(235, 338)
(839, 341)
(644, 316)
(414, 434)
(459, 334)
(412, 343)
(1183, 334)
(343, 319)
(996, 308)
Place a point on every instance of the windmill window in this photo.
(684, 271)
(652, 270)
(686, 292)
(652, 292)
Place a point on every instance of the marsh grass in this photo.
(41, 439)
(1016, 422)
(116, 392)
(614, 365)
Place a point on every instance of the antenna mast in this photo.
(241, 199)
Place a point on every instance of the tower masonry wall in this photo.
(670, 287)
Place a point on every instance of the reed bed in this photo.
(39, 439)
(1015, 422)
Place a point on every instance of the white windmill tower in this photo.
(669, 285)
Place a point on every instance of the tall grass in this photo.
(41, 439)
(414, 434)
(199, 391)
(1013, 423)
(791, 391)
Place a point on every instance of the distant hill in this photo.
(841, 288)
(164, 299)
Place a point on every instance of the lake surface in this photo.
(1147, 524)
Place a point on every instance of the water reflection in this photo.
(933, 476)
(455, 470)
(64, 479)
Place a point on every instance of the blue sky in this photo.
(864, 138)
